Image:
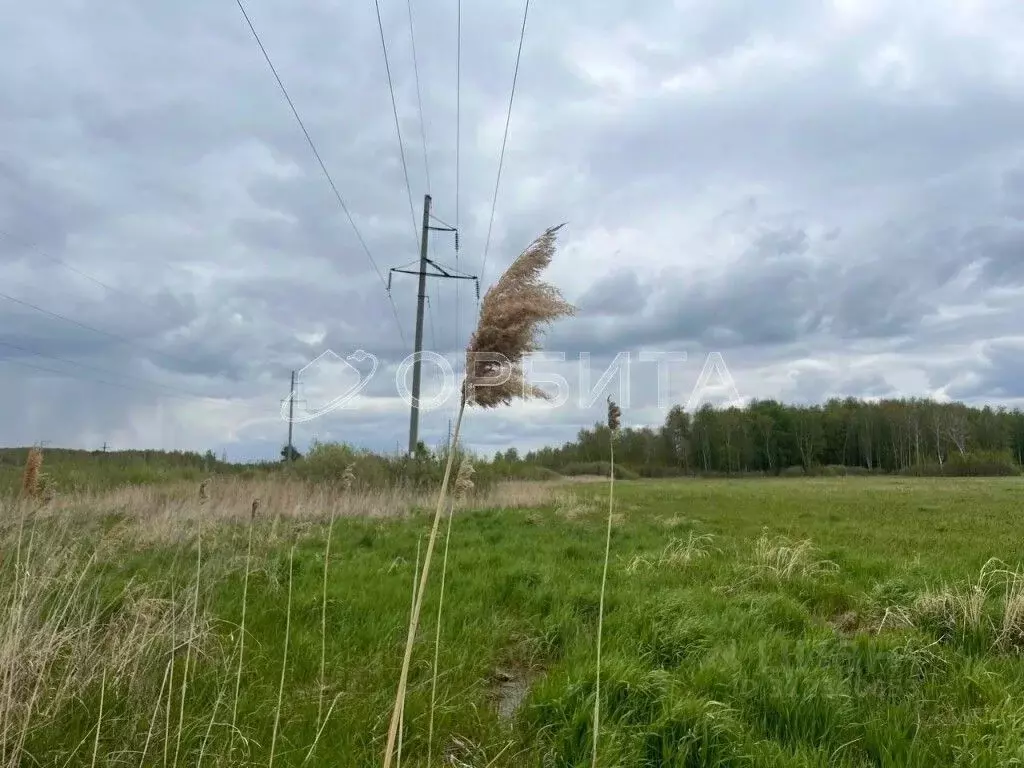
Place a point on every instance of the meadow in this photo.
(775, 622)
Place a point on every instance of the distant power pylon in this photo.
(292, 397)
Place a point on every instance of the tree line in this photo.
(766, 436)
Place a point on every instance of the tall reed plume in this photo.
(30, 486)
(614, 422)
(513, 315)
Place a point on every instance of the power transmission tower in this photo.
(423, 273)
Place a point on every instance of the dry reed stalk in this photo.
(241, 630)
(323, 618)
(320, 731)
(412, 603)
(51, 647)
(58, 629)
(18, 618)
(13, 623)
(30, 477)
(463, 485)
(170, 689)
(99, 720)
(209, 728)
(513, 315)
(614, 422)
(192, 624)
(284, 659)
(156, 711)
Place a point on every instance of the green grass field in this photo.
(847, 622)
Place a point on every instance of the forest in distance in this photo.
(909, 435)
(765, 437)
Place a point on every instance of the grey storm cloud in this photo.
(829, 194)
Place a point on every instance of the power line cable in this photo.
(398, 128)
(430, 316)
(86, 326)
(504, 140)
(33, 247)
(323, 167)
(458, 159)
(419, 99)
(69, 374)
(57, 358)
(133, 296)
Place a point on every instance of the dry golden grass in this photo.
(158, 512)
(678, 552)
(59, 638)
(780, 558)
(991, 607)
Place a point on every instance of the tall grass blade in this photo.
(99, 719)
(241, 629)
(284, 659)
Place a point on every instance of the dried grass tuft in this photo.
(678, 552)
(348, 478)
(991, 608)
(62, 638)
(783, 559)
(513, 315)
(30, 485)
(464, 480)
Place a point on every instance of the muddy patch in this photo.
(508, 689)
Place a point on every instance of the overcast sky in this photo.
(823, 198)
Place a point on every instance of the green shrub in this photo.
(974, 464)
(833, 470)
(600, 468)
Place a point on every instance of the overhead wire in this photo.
(419, 98)
(134, 297)
(504, 140)
(63, 263)
(85, 326)
(69, 374)
(323, 167)
(36, 353)
(430, 317)
(458, 169)
(113, 289)
(398, 127)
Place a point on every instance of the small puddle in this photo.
(508, 690)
